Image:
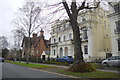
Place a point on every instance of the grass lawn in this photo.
(38, 66)
(97, 74)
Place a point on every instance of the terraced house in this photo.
(38, 45)
(114, 17)
(95, 35)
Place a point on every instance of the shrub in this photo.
(33, 59)
(23, 59)
(82, 67)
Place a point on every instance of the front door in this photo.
(43, 57)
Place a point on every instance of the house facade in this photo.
(38, 45)
(114, 17)
(95, 35)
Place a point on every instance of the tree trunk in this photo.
(19, 56)
(28, 53)
(78, 54)
(27, 60)
(77, 45)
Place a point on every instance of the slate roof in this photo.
(34, 42)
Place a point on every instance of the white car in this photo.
(112, 61)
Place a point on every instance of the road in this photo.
(15, 71)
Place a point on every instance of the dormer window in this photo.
(83, 18)
(117, 8)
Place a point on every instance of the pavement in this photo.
(15, 71)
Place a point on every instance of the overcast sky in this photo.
(8, 8)
(7, 12)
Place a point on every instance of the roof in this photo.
(35, 41)
(38, 39)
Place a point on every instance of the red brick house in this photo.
(38, 45)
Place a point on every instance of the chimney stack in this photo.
(41, 32)
(34, 35)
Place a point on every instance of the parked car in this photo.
(68, 59)
(1, 59)
(112, 61)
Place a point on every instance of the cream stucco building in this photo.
(95, 35)
(114, 17)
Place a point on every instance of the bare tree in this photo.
(29, 19)
(3, 42)
(18, 36)
(3, 46)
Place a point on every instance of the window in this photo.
(53, 30)
(59, 28)
(118, 45)
(64, 38)
(118, 26)
(59, 39)
(85, 34)
(112, 58)
(69, 25)
(54, 52)
(54, 40)
(64, 26)
(70, 36)
(117, 57)
(37, 52)
(86, 49)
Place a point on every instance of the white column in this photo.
(63, 51)
(51, 52)
(90, 44)
(56, 51)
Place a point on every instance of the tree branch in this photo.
(67, 8)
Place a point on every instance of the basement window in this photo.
(86, 49)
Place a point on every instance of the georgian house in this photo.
(38, 45)
(95, 35)
(114, 17)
